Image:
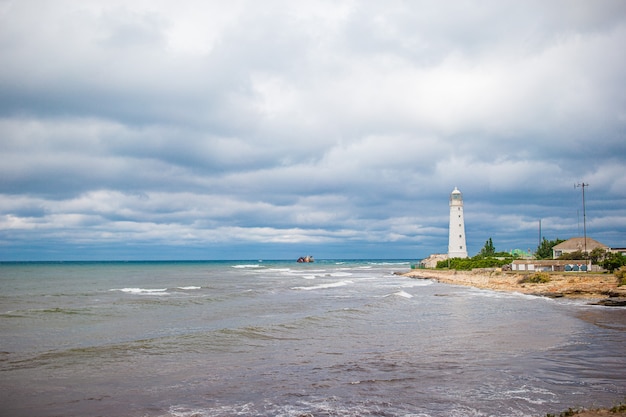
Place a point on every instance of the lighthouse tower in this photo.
(456, 238)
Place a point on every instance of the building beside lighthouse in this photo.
(457, 247)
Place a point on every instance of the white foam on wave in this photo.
(488, 293)
(402, 294)
(152, 291)
(307, 274)
(324, 286)
(532, 395)
(340, 274)
(191, 287)
(247, 266)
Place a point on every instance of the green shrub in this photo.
(613, 261)
(467, 264)
(620, 274)
(536, 278)
(620, 408)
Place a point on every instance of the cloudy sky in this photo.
(274, 129)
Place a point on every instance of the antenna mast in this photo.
(583, 185)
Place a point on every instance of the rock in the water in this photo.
(611, 303)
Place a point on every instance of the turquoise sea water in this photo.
(277, 338)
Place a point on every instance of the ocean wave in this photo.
(191, 287)
(402, 294)
(52, 310)
(150, 291)
(340, 274)
(324, 286)
(314, 276)
(489, 293)
(247, 266)
(312, 406)
(385, 263)
(306, 274)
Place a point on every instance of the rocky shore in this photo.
(595, 413)
(597, 288)
(603, 412)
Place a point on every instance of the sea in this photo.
(278, 338)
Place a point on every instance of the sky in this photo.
(158, 130)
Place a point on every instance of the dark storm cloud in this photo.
(340, 125)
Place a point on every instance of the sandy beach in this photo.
(598, 288)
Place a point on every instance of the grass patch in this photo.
(536, 278)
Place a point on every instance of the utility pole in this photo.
(583, 185)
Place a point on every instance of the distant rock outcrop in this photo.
(431, 261)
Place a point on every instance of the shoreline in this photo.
(599, 289)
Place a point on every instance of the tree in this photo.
(544, 250)
(577, 255)
(488, 250)
(597, 255)
(613, 261)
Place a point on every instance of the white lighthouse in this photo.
(456, 238)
